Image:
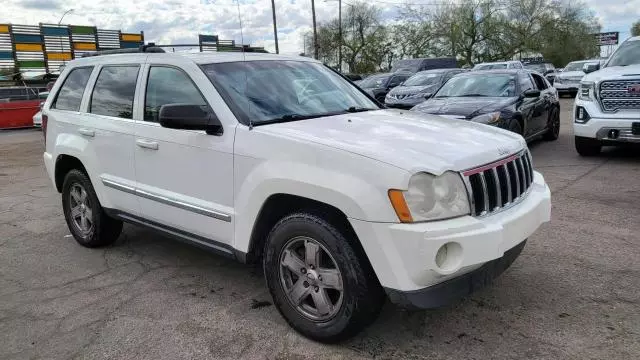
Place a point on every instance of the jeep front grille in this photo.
(620, 95)
(499, 185)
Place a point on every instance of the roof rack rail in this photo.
(148, 48)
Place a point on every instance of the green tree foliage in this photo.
(635, 28)
(472, 31)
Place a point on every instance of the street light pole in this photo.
(275, 28)
(315, 34)
(59, 22)
(340, 36)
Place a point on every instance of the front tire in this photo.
(587, 146)
(514, 126)
(87, 221)
(322, 288)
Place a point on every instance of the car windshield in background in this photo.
(271, 91)
(490, 67)
(627, 54)
(374, 81)
(536, 67)
(486, 85)
(574, 66)
(423, 79)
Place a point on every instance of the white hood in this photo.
(630, 72)
(409, 140)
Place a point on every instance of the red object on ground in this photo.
(18, 114)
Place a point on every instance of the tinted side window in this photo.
(168, 86)
(114, 91)
(70, 94)
(540, 83)
(525, 83)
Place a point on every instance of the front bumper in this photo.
(403, 256)
(600, 124)
(566, 87)
(403, 103)
(446, 292)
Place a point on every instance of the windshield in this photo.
(374, 81)
(489, 85)
(269, 91)
(541, 68)
(490, 66)
(423, 79)
(574, 66)
(627, 54)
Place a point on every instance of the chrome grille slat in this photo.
(485, 193)
(497, 186)
(509, 192)
(496, 181)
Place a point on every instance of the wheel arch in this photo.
(65, 163)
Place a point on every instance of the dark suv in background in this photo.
(378, 85)
(545, 68)
(418, 88)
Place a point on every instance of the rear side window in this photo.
(70, 94)
(114, 91)
(168, 85)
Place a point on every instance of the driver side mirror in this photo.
(589, 68)
(531, 93)
(190, 117)
(428, 95)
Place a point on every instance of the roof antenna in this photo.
(244, 58)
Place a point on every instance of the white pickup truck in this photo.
(607, 109)
(280, 160)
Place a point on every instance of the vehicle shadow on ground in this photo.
(397, 332)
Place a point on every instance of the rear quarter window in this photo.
(70, 95)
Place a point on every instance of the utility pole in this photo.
(340, 36)
(315, 34)
(275, 27)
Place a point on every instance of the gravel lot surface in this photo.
(574, 293)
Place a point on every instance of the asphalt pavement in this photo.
(574, 293)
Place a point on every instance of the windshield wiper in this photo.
(355, 109)
(473, 95)
(286, 118)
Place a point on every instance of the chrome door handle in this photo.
(147, 144)
(87, 132)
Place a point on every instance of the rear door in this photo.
(184, 177)
(543, 105)
(530, 108)
(109, 127)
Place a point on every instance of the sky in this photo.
(180, 21)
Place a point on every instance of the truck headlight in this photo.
(587, 91)
(490, 118)
(431, 197)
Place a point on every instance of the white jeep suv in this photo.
(607, 109)
(282, 160)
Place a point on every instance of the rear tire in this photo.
(587, 146)
(87, 221)
(298, 289)
(553, 125)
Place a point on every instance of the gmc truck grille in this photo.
(499, 185)
(620, 95)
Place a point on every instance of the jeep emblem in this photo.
(503, 151)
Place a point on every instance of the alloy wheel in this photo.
(80, 209)
(311, 279)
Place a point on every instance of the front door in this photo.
(184, 177)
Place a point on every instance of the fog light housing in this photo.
(449, 257)
(581, 115)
